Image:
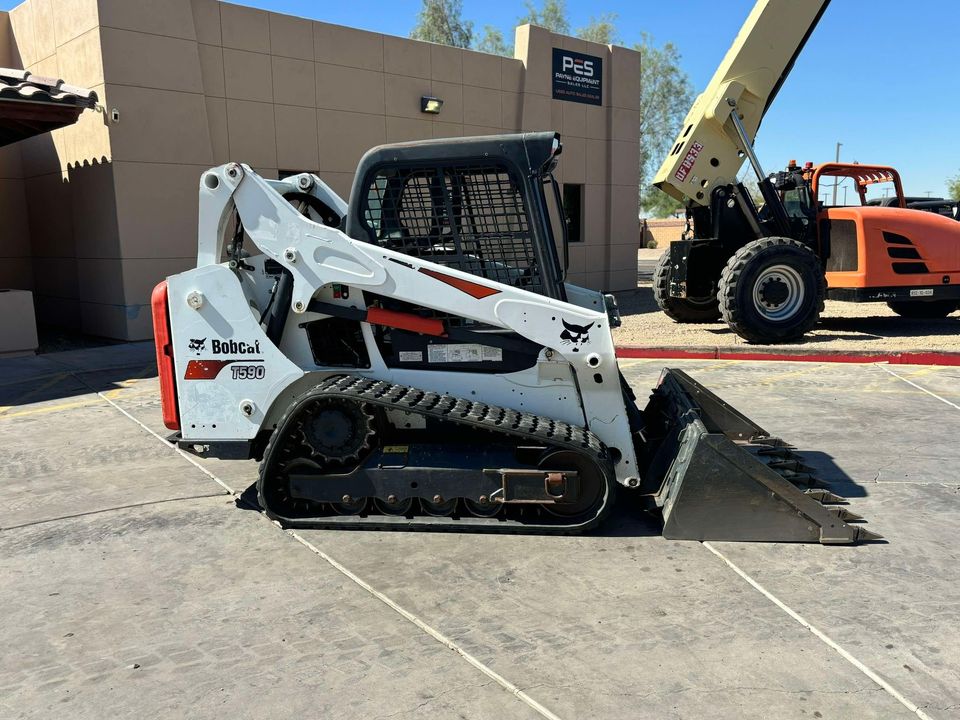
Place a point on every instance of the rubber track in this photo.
(527, 427)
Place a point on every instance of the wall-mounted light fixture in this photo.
(430, 105)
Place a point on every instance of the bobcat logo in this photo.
(198, 345)
(576, 335)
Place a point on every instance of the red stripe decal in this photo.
(406, 321)
(205, 369)
(470, 288)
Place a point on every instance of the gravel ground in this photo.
(843, 325)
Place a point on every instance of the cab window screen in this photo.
(471, 217)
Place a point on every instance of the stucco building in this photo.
(96, 213)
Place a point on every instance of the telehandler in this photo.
(766, 269)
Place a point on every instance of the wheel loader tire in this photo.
(772, 290)
(681, 310)
(923, 310)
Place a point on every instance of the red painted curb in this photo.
(901, 358)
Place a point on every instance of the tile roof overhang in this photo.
(31, 105)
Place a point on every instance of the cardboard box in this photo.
(18, 323)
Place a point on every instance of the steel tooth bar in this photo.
(825, 497)
(781, 452)
(785, 465)
(777, 443)
(843, 514)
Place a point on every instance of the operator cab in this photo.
(798, 202)
(476, 204)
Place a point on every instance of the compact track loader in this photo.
(415, 360)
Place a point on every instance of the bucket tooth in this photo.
(783, 452)
(776, 443)
(825, 497)
(843, 514)
(796, 477)
(793, 464)
(864, 535)
(716, 475)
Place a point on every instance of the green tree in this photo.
(552, 15)
(657, 204)
(601, 30)
(441, 21)
(753, 188)
(953, 187)
(666, 95)
(492, 42)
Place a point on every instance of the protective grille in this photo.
(843, 246)
(472, 218)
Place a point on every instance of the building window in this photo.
(573, 211)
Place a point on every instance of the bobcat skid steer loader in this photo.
(414, 360)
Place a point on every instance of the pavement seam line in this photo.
(429, 630)
(132, 506)
(406, 614)
(919, 387)
(822, 636)
(169, 444)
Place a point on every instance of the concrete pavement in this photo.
(135, 586)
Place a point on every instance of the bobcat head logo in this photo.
(197, 345)
(576, 335)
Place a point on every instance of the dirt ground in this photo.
(843, 325)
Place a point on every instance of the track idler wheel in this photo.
(593, 484)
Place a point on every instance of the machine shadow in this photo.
(889, 326)
(831, 475)
(627, 518)
(630, 516)
(247, 500)
(636, 302)
(66, 384)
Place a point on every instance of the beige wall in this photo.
(67, 176)
(662, 232)
(16, 254)
(200, 82)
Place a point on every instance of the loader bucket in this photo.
(717, 475)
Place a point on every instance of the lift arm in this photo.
(711, 147)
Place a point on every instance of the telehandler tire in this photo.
(923, 309)
(681, 310)
(772, 290)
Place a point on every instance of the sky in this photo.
(876, 75)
